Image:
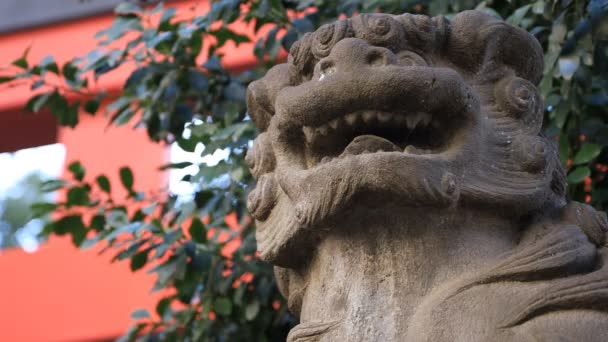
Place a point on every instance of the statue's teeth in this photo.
(334, 123)
(400, 119)
(326, 159)
(368, 117)
(412, 121)
(384, 117)
(309, 133)
(351, 119)
(425, 118)
(411, 149)
(322, 130)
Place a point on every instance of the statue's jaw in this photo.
(299, 206)
(320, 193)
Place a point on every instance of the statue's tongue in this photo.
(369, 144)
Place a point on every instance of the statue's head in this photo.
(406, 109)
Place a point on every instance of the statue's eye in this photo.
(410, 58)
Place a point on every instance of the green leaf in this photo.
(37, 102)
(167, 15)
(252, 309)
(198, 81)
(303, 25)
(78, 195)
(52, 185)
(587, 153)
(133, 333)
(579, 174)
(79, 235)
(98, 223)
(518, 15)
(140, 314)
(118, 104)
(222, 306)
(163, 305)
(188, 145)
(157, 8)
(289, 39)
(197, 230)
(122, 116)
(127, 8)
(539, 7)
(126, 177)
(196, 43)
(213, 63)
(173, 269)
(88, 243)
(564, 148)
(69, 71)
(224, 34)
(175, 165)
(118, 218)
(71, 224)
(35, 70)
(58, 104)
(4, 79)
(159, 38)
(66, 115)
(139, 260)
(91, 106)
(40, 209)
(37, 84)
(130, 251)
(48, 63)
(237, 174)
(70, 117)
(120, 26)
(202, 261)
(150, 209)
(136, 78)
(77, 170)
(104, 183)
(21, 63)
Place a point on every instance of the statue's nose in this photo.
(352, 55)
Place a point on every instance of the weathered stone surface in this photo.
(405, 192)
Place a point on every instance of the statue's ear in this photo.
(488, 46)
(262, 93)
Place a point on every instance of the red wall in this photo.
(60, 293)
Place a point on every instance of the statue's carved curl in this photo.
(411, 124)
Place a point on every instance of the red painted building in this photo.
(59, 293)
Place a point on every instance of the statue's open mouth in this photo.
(413, 110)
(371, 131)
(334, 137)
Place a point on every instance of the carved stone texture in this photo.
(405, 192)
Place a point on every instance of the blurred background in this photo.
(49, 290)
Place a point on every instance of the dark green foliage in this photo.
(233, 297)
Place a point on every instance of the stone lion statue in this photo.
(405, 192)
